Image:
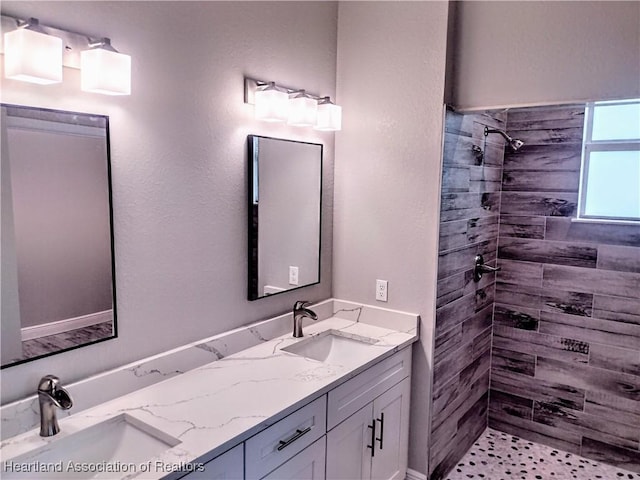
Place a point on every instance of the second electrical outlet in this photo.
(381, 290)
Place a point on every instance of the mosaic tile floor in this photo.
(500, 456)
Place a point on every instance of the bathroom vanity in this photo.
(360, 429)
(333, 404)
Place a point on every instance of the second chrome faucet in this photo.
(301, 311)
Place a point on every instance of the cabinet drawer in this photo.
(282, 440)
(307, 465)
(228, 466)
(354, 394)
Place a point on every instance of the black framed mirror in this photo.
(285, 212)
(58, 273)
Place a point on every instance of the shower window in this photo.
(610, 174)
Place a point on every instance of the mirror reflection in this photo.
(285, 197)
(56, 234)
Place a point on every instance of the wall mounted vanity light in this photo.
(271, 103)
(303, 110)
(277, 103)
(104, 70)
(329, 115)
(31, 55)
(36, 53)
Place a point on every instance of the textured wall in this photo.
(468, 226)
(543, 52)
(178, 150)
(566, 338)
(391, 83)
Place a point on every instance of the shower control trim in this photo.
(480, 268)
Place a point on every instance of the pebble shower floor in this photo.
(500, 456)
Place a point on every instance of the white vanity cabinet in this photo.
(228, 466)
(373, 442)
(358, 430)
(368, 422)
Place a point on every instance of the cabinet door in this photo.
(228, 466)
(348, 456)
(391, 413)
(309, 464)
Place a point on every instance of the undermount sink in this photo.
(117, 442)
(332, 346)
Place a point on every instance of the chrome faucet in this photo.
(50, 396)
(299, 312)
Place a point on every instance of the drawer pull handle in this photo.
(373, 438)
(298, 434)
(381, 420)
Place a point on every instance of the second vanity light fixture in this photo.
(36, 54)
(276, 103)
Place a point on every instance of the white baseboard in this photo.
(414, 475)
(53, 328)
(271, 289)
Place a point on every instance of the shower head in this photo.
(514, 143)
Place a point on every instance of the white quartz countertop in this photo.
(216, 406)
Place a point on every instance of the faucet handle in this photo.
(48, 383)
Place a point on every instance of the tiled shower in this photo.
(548, 348)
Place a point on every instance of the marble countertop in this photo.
(218, 405)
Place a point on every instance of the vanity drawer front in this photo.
(282, 440)
(354, 394)
(228, 466)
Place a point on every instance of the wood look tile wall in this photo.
(566, 339)
(469, 224)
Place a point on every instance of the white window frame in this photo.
(589, 145)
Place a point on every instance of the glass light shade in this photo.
(32, 56)
(271, 105)
(303, 111)
(329, 117)
(104, 71)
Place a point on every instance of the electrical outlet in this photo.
(381, 290)
(293, 275)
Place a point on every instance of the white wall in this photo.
(542, 52)
(391, 58)
(178, 151)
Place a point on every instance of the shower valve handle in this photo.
(480, 268)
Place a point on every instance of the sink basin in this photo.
(332, 346)
(120, 442)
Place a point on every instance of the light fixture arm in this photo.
(31, 24)
(103, 43)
